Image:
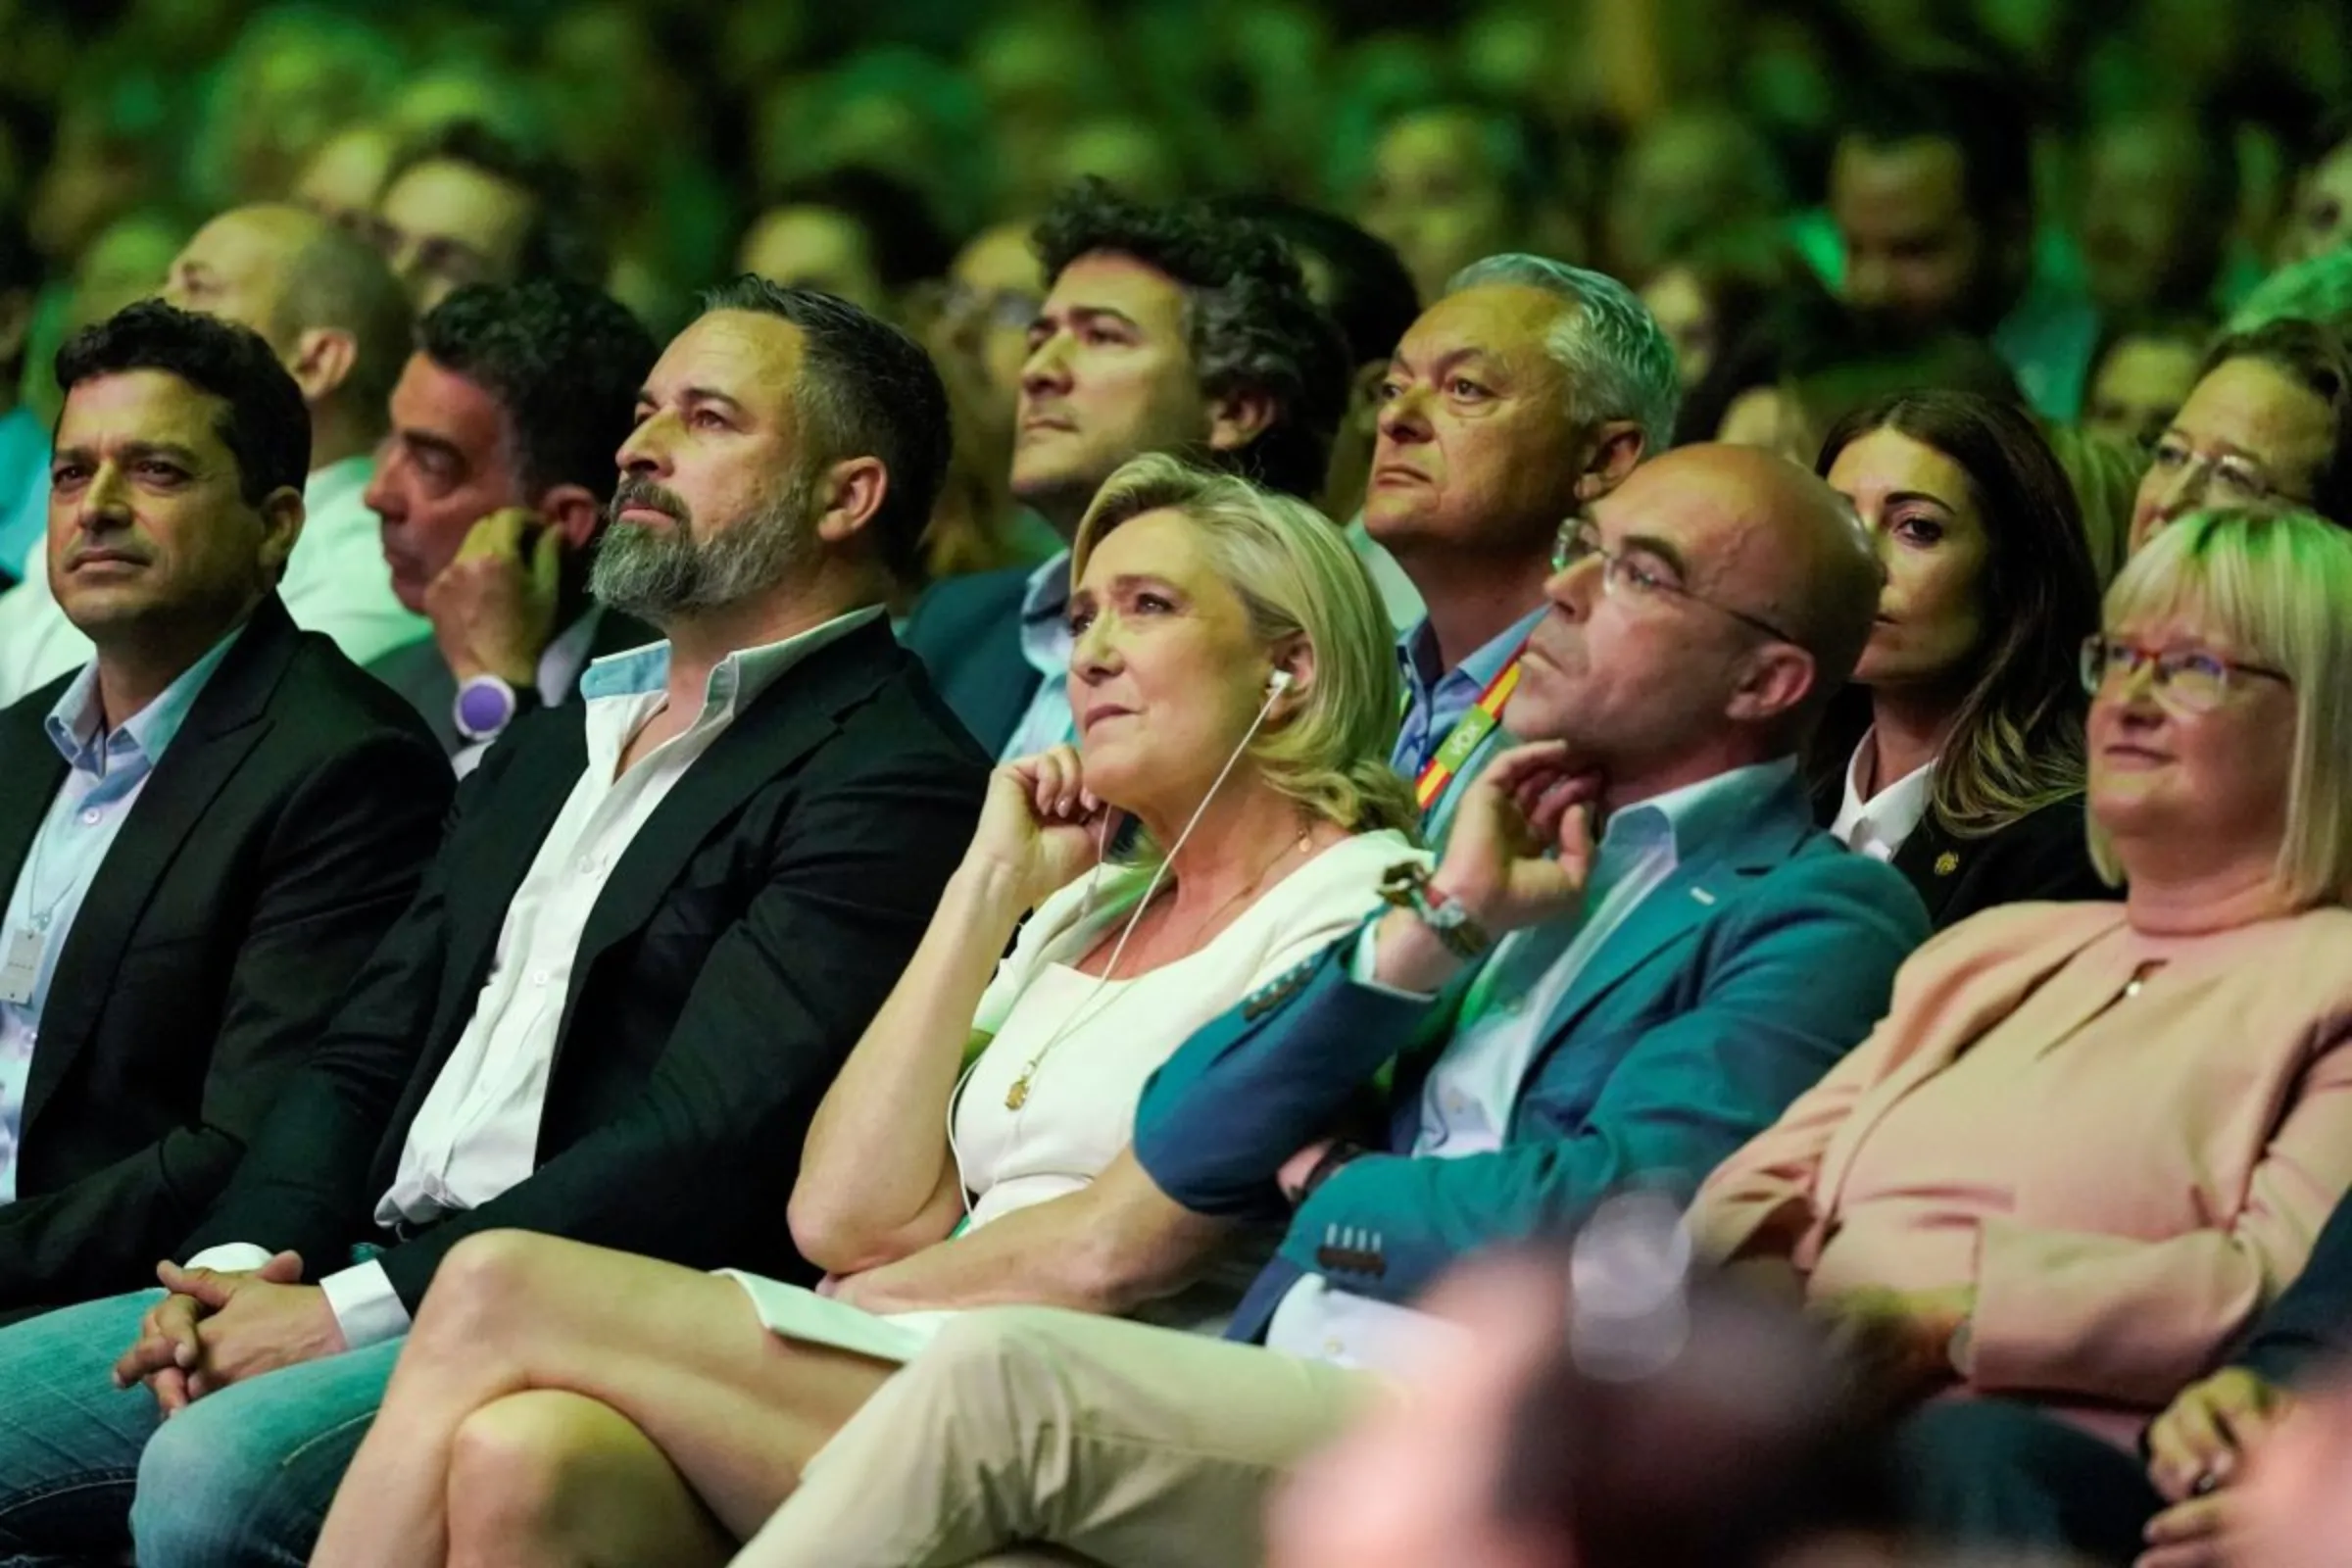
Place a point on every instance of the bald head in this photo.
(322, 297)
(1737, 593)
(1779, 545)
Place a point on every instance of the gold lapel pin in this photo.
(1946, 863)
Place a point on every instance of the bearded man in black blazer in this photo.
(202, 833)
(661, 917)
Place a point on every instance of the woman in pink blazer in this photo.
(2090, 1141)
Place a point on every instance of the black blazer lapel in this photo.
(1935, 862)
(230, 715)
(782, 725)
(30, 771)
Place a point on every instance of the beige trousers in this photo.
(1103, 1441)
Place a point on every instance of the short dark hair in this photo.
(904, 242)
(564, 361)
(2318, 358)
(867, 389)
(265, 425)
(1250, 319)
(1373, 301)
(561, 241)
(1980, 112)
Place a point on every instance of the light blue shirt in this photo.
(24, 490)
(1436, 699)
(1045, 643)
(107, 771)
(1468, 1098)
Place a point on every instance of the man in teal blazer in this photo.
(1636, 951)
(1764, 954)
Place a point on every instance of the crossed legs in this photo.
(561, 1403)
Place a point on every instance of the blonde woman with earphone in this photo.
(1227, 812)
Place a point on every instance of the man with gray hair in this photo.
(336, 319)
(1527, 392)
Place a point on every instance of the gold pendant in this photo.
(1018, 1094)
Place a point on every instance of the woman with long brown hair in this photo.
(1958, 753)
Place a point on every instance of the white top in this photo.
(335, 583)
(1080, 1110)
(1878, 826)
(478, 1133)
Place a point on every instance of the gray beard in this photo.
(658, 575)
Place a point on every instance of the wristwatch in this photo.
(1407, 885)
(486, 705)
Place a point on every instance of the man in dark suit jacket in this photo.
(1126, 359)
(662, 919)
(490, 495)
(202, 833)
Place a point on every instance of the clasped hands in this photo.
(217, 1328)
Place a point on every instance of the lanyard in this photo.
(1469, 732)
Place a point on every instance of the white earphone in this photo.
(1279, 682)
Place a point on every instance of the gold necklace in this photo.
(1018, 1094)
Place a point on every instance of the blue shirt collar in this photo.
(1698, 816)
(76, 724)
(738, 679)
(1045, 623)
(1418, 659)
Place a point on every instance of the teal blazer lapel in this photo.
(1684, 900)
(1707, 880)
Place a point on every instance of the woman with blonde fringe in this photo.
(1237, 693)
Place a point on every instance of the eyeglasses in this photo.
(2190, 679)
(2215, 478)
(1637, 574)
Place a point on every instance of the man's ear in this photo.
(573, 512)
(281, 530)
(1617, 446)
(1779, 677)
(1240, 416)
(321, 362)
(854, 489)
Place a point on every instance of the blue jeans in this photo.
(241, 1476)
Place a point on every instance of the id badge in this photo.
(20, 966)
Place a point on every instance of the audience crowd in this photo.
(1512, 785)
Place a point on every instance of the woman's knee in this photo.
(485, 1283)
(554, 1477)
(517, 1465)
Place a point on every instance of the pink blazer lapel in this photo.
(1975, 990)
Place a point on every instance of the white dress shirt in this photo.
(1469, 1094)
(477, 1132)
(335, 583)
(1878, 826)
